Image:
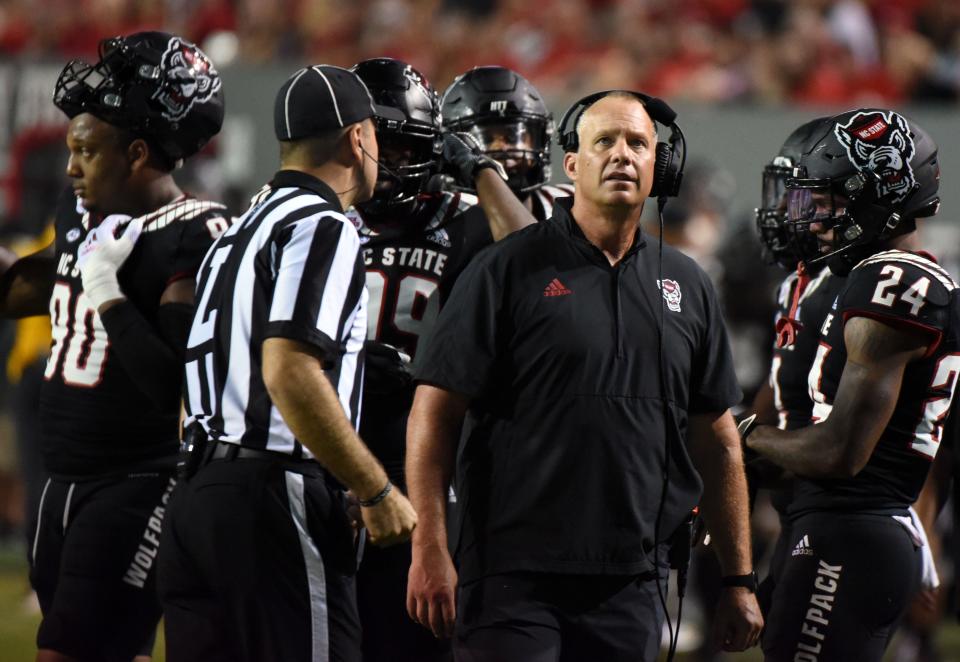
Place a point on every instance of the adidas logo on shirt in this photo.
(803, 547)
(556, 289)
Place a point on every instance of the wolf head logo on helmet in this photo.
(881, 143)
(191, 79)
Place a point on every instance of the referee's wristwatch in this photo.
(748, 581)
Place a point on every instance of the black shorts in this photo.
(540, 617)
(389, 635)
(842, 590)
(92, 554)
(781, 554)
(256, 565)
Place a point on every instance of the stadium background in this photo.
(741, 73)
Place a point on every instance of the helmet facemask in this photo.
(410, 156)
(520, 144)
(96, 88)
(508, 118)
(853, 222)
(779, 241)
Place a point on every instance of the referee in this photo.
(258, 553)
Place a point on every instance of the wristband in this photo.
(368, 503)
(748, 581)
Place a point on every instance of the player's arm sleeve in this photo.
(145, 353)
(319, 283)
(713, 381)
(463, 348)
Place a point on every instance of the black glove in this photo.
(463, 158)
(387, 369)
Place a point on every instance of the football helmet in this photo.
(771, 217)
(157, 85)
(865, 174)
(409, 150)
(508, 118)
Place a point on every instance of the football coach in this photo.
(594, 406)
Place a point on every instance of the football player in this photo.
(415, 241)
(881, 382)
(118, 283)
(508, 119)
(804, 299)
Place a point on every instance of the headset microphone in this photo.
(380, 164)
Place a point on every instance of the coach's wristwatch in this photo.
(748, 582)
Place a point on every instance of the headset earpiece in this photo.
(671, 154)
(661, 170)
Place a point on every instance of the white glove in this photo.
(101, 255)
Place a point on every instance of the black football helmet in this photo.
(867, 174)
(409, 150)
(780, 244)
(508, 118)
(158, 85)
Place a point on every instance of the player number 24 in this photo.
(916, 295)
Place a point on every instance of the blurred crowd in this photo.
(846, 52)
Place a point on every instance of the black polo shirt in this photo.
(562, 460)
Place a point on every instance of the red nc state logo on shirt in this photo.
(671, 292)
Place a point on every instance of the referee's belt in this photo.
(223, 450)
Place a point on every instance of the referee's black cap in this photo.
(322, 98)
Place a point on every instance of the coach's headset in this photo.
(671, 155)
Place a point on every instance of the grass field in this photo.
(18, 625)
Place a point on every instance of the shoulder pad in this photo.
(898, 284)
(558, 190)
(183, 209)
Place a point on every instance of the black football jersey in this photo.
(791, 364)
(94, 419)
(410, 270)
(909, 291)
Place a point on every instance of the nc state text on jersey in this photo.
(417, 258)
(65, 266)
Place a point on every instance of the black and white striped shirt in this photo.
(290, 267)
